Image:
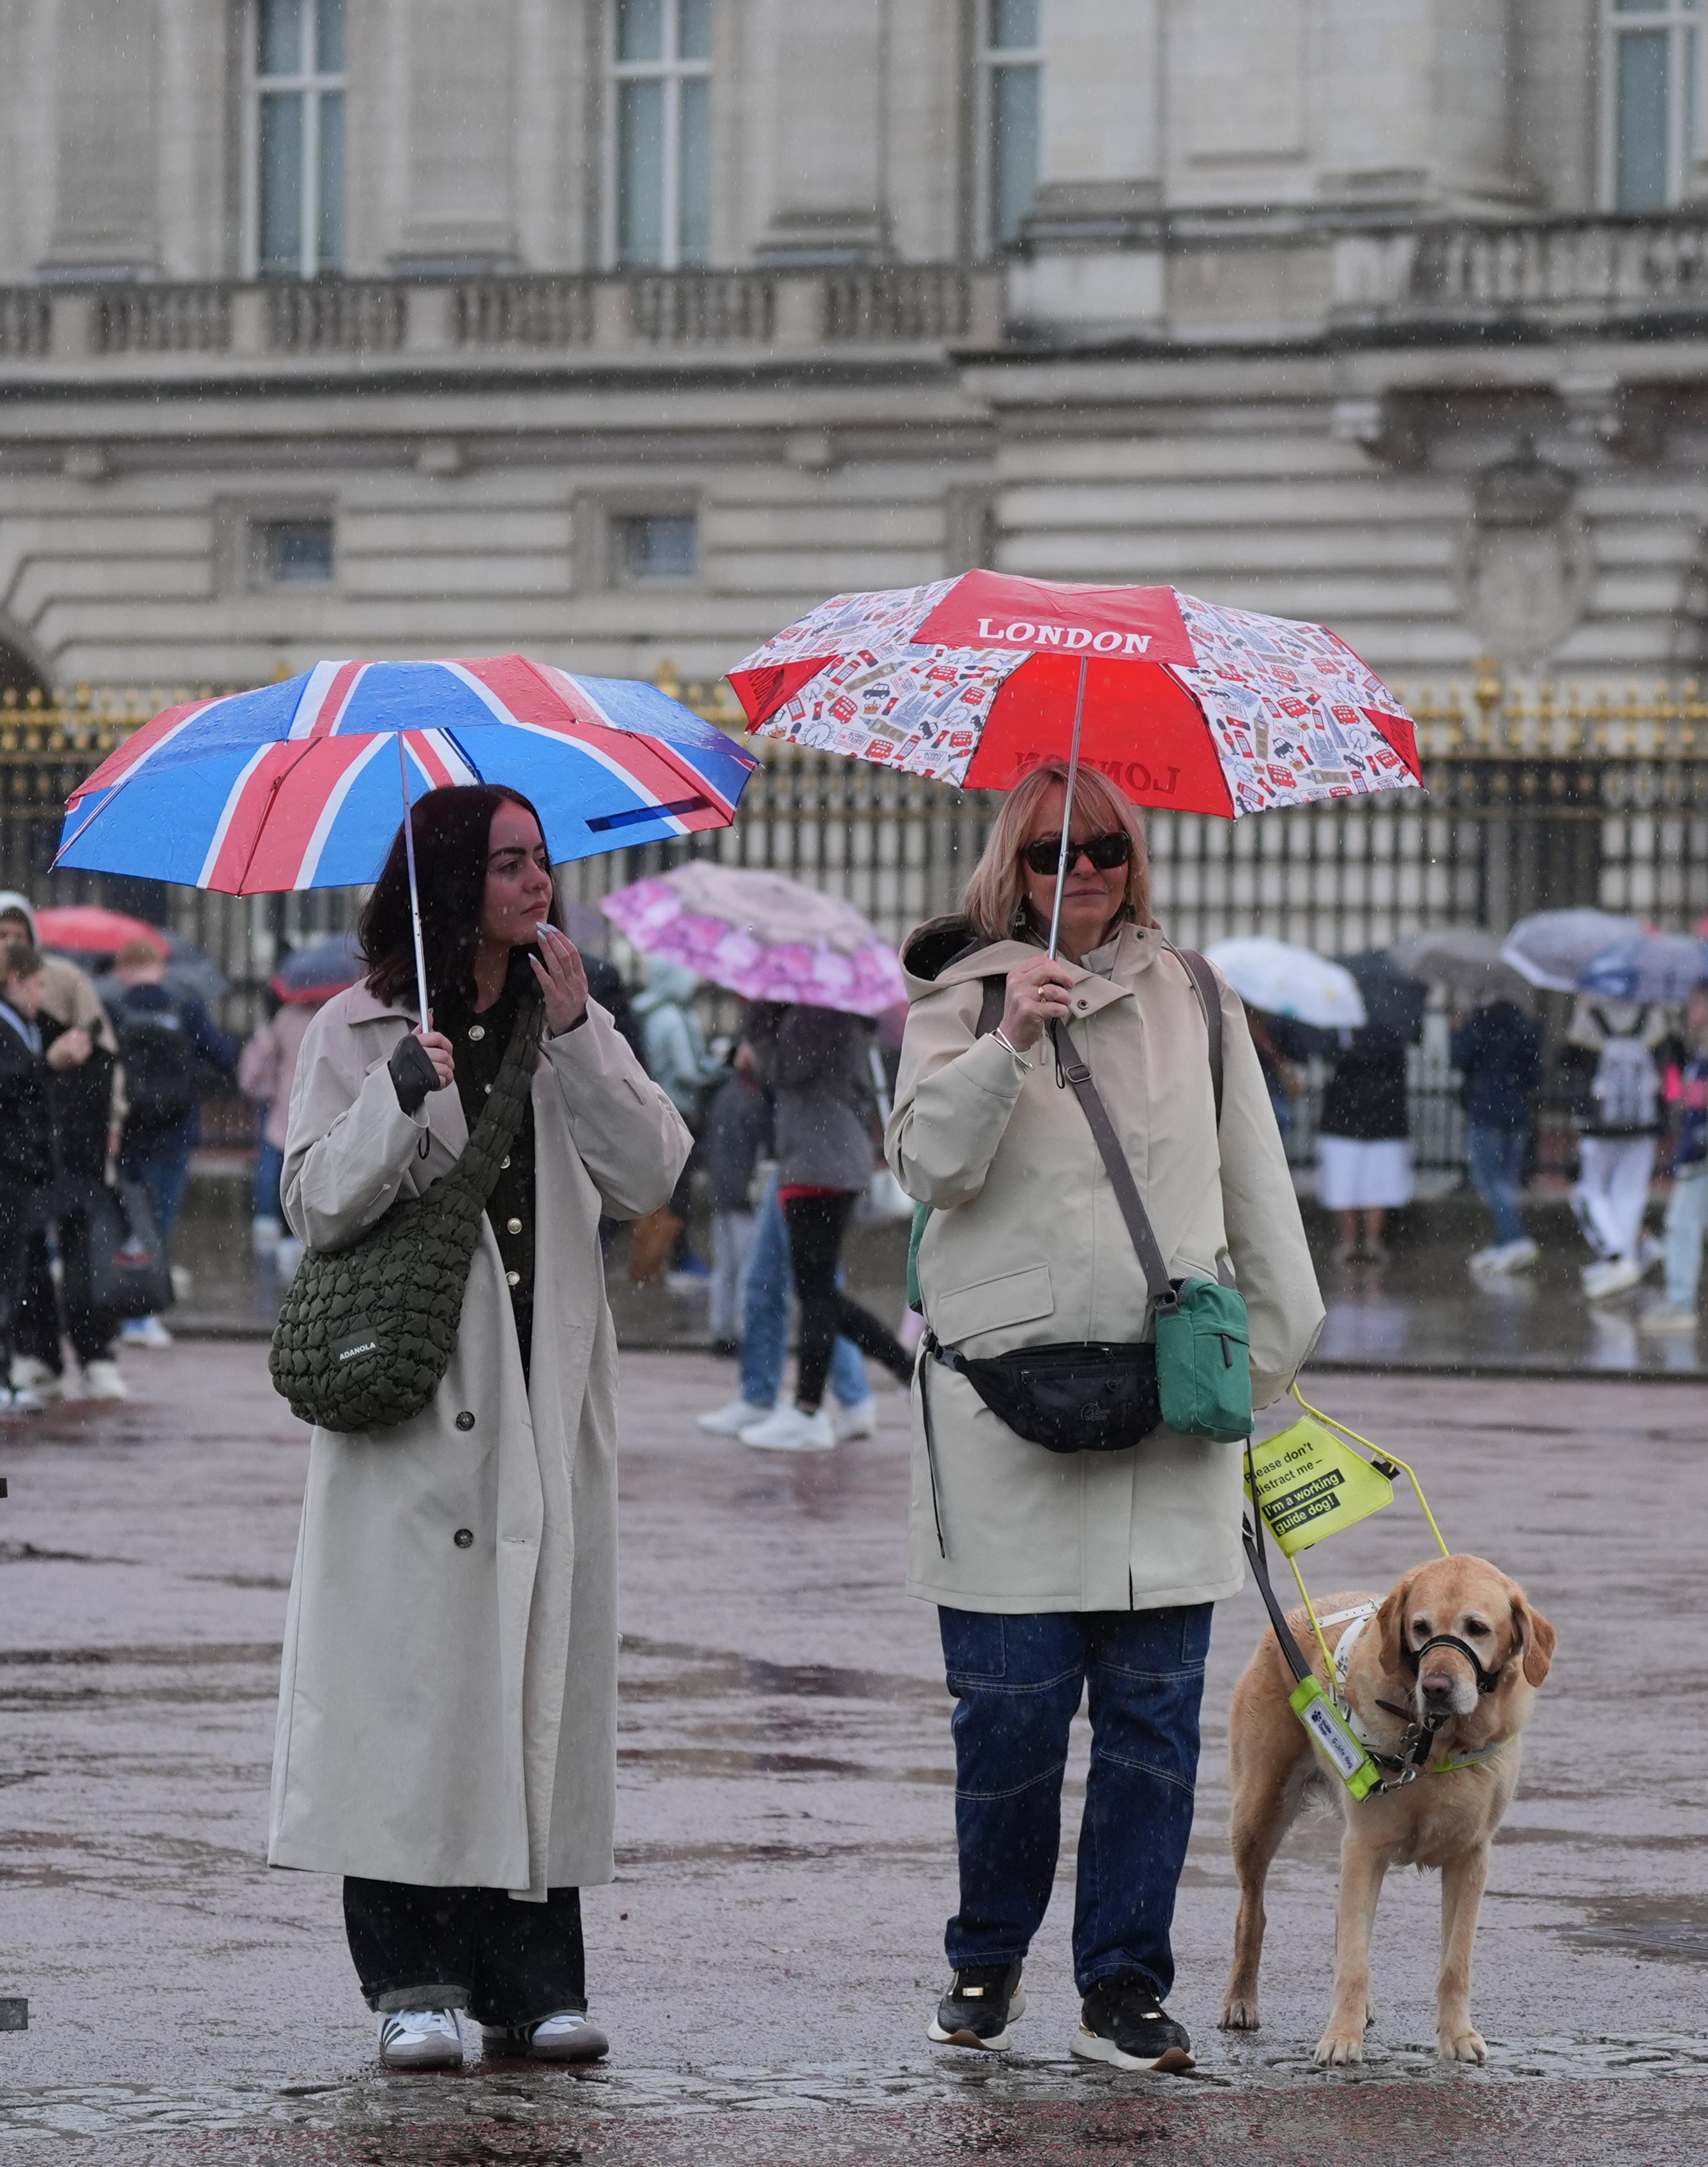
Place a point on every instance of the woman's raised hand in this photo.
(563, 978)
(1037, 997)
(437, 1048)
(71, 1049)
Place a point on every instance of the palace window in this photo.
(654, 545)
(291, 552)
(1013, 86)
(1652, 80)
(297, 132)
(661, 83)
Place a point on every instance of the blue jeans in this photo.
(765, 1292)
(161, 1163)
(1495, 1159)
(1017, 1683)
(269, 1173)
(1687, 1223)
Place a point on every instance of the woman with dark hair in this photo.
(446, 1731)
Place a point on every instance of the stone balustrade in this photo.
(1549, 270)
(490, 317)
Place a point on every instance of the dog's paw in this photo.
(1464, 2047)
(1238, 2013)
(1340, 2046)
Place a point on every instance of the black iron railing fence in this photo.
(1538, 796)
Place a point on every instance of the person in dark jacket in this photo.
(737, 1129)
(34, 1048)
(171, 1049)
(1364, 1140)
(1498, 1051)
(813, 1062)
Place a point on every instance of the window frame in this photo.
(1678, 20)
(312, 86)
(672, 71)
(989, 60)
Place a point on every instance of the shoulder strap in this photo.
(1209, 994)
(1151, 1261)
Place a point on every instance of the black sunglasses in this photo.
(1105, 852)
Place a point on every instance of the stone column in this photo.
(460, 211)
(821, 103)
(1094, 244)
(105, 103)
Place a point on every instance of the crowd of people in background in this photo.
(101, 1083)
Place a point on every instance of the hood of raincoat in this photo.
(10, 899)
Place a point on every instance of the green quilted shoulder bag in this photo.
(366, 1333)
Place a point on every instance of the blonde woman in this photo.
(1056, 1572)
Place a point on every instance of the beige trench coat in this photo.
(1027, 1247)
(447, 1710)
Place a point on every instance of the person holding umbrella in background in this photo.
(86, 1102)
(1686, 1093)
(171, 1049)
(34, 1048)
(1498, 1052)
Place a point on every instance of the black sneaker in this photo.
(976, 2010)
(1123, 2023)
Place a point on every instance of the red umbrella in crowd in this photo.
(976, 681)
(87, 928)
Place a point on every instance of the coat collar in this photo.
(1136, 949)
(358, 1005)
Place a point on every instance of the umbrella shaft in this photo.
(1079, 716)
(414, 893)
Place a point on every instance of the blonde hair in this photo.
(994, 897)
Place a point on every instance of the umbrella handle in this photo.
(402, 775)
(1079, 716)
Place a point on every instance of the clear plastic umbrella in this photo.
(1286, 981)
(1463, 959)
(1554, 948)
(1664, 968)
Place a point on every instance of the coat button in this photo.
(463, 1538)
(477, 1030)
(514, 1225)
(504, 1162)
(487, 1087)
(512, 1279)
(465, 1420)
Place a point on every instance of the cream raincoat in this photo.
(447, 1711)
(1027, 1247)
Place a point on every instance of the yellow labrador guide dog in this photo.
(1437, 1680)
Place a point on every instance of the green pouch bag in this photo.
(1203, 1362)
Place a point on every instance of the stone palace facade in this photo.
(621, 331)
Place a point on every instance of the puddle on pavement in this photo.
(374, 2105)
(1661, 1928)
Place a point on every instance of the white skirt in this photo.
(1363, 1177)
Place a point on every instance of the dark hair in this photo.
(451, 830)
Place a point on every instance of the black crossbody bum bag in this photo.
(1082, 1395)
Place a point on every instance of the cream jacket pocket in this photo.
(992, 1305)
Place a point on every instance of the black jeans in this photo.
(36, 1327)
(816, 1225)
(17, 1208)
(477, 1949)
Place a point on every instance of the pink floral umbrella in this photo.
(764, 936)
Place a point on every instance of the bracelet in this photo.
(1002, 1040)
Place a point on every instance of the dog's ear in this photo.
(1536, 1635)
(1390, 1625)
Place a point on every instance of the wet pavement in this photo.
(767, 1958)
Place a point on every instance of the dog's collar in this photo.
(1419, 1740)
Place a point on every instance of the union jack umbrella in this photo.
(302, 784)
(976, 681)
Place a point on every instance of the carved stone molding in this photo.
(1525, 566)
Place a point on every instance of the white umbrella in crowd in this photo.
(1285, 981)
